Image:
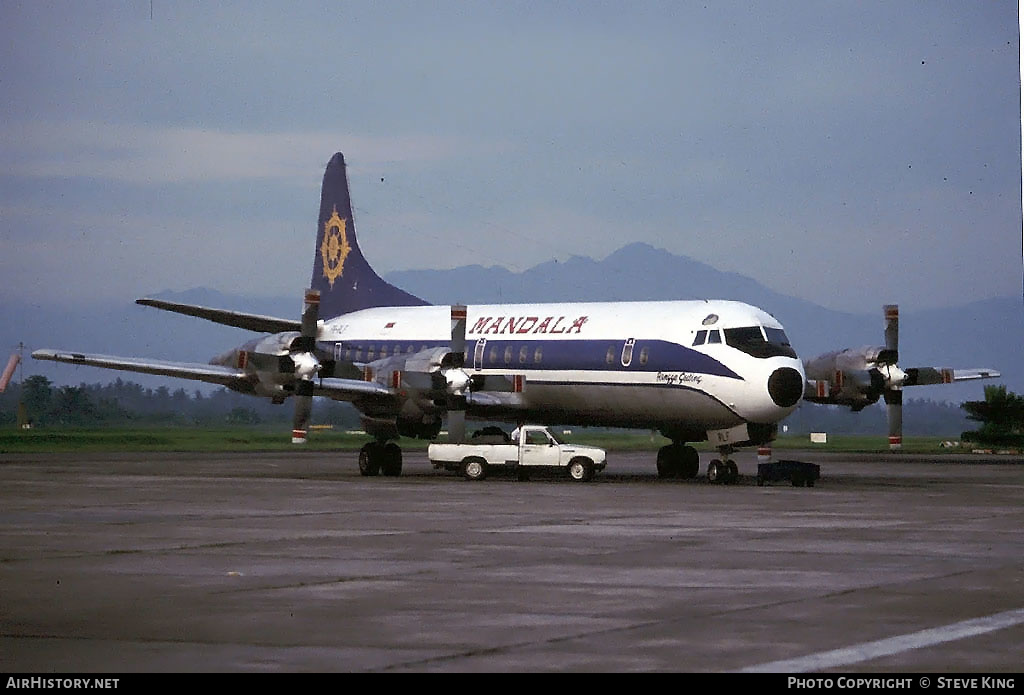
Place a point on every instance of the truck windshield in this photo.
(772, 342)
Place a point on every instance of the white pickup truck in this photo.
(536, 449)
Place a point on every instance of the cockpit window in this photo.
(751, 340)
(701, 337)
(777, 336)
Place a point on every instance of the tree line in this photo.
(127, 403)
(122, 402)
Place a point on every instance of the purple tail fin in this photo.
(345, 280)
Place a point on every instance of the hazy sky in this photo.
(850, 152)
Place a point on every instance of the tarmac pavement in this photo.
(294, 562)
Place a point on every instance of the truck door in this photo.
(537, 449)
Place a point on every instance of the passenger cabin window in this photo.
(644, 354)
(609, 357)
(538, 354)
(522, 354)
(508, 355)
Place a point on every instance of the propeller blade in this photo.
(306, 364)
(458, 343)
(892, 330)
(310, 313)
(310, 318)
(456, 425)
(303, 408)
(894, 411)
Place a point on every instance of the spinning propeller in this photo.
(858, 377)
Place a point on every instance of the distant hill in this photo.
(989, 333)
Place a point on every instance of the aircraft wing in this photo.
(237, 319)
(347, 389)
(210, 373)
(231, 377)
(923, 376)
(494, 399)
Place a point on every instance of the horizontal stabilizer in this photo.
(237, 319)
(210, 373)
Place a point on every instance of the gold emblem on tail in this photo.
(334, 248)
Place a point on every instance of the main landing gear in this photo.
(380, 458)
(678, 461)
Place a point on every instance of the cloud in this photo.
(159, 155)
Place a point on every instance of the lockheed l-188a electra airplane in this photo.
(721, 371)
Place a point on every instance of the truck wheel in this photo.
(581, 469)
(715, 471)
(474, 469)
(522, 474)
(733, 472)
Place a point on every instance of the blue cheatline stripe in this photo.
(866, 651)
(554, 355)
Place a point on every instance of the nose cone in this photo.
(785, 386)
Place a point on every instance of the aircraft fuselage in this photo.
(702, 365)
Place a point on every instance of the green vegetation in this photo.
(1001, 415)
(126, 404)
(124, 416)
(177, 439)
(276, 438)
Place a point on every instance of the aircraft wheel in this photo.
(666, 467)
(391, 460)
(369, 459)
(474, 468)
(716, 471)
(691, 462)
(581, 469)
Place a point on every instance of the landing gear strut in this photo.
(380, 457)
(723, 471)
(678, 461)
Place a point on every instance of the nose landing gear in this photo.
(723, 471)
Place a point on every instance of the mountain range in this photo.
(986, 333)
